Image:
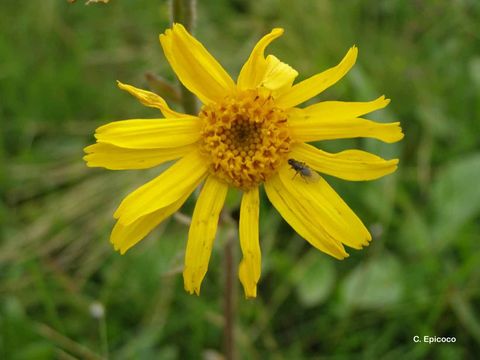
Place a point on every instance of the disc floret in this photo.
(245, 137)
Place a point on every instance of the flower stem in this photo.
(229, 304)
(184, 12)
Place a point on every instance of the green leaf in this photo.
(456, 197)
(314, 279)
(372, 285)
(415, 233)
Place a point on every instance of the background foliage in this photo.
(420, 276)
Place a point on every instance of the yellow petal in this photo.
(117, 158)
(150, 133)
(151, 99)
(314, 85)
(194, 66)
(202, 233)
(355, 165)
(278, 76)
(326, 129)
(340, 110)
(250, 266)
(270, 72)
(123, 237)
(302, 218)
(179, 179)
(326, 210)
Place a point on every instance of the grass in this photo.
(418, 277)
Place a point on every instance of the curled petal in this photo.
(151, 99)
(269, 72)
(279, 76)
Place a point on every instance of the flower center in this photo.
(246, 138)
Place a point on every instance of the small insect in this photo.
(307, 174)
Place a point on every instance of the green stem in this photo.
(183, 12)
(229, 292)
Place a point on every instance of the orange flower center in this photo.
(245, 137)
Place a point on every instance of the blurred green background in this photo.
(420, 276)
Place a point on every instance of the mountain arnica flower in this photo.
(247, 134)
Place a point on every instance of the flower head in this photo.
(247, 134)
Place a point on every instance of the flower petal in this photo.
(123, 237)
(326, 209)
(314, 85)
(269, 72)
(250, 266)
(196, 68)
(326, 129)
(298, 213)
(354, 165)
(117, 158)
(150, 133)
(278, 76)
(202, 233)
(151, 99)
(179, 179)
(341, 110)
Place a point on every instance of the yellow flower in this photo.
(243, 137)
